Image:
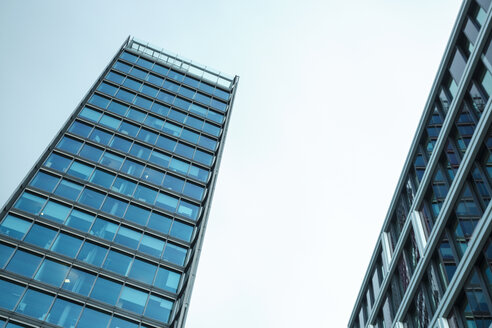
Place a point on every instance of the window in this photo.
(140, 151)
(132, 299)
(174, 254)
(14, 290)
(30, 203)
(193, 190)
(64, 313)
(100, 136)
(112, 161)
(117, 262)
(44, 181)
(145, 194)
(66, 245)
(151, 246)
(70, 145)
(120, 144)
(24, 263)
(158, 308)
(188, 210)
(79, 281)
(106, 290)
(68, 189)
(153, 175)
(58, 162)
(80, 220)
(159, 158)
(92, 254)
(80, 129)
(173, 183)
(118, 108)
(80, 170)
(166, 202)
(128, 237)
(41, 236)
(128, 129)
(35, 304)
(99, 101)
(167, 280)
(124, 186)
(92, 198)
(14, 227)
(91, 153)
(5, 253)
(115, 206)
(142, 271)
(104, 229)
(52, 273)
(181, 231)
(137, 214)
(159, 222)
(55, 211)
(102, 178)
(92, 318)
(132, 168)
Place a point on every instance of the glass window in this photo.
(218, 105)
(14, 227)
(136, 115)
(58, 162)
(68, 189)
(159, 222)
(159, 158)
(70, 145)
(79, 281)
(104, 229)
(5, 253)
(177, 116)
(125, 95)
(112, 161)
(144, 63)
(41, 236)
(150, 91)
(137, 214)
(35, 304)
(118, 108)
(151, 246)
(91, 153)
(90, 114)
(30, 203)
(106, 290)
(100, 136)
(155, 79)
(55, 211)
(121, 144)
(160, 109)
(153, 175)
(207, 143)
(203, 98)
(132, 168)
(160, 69)
(189, 136)
(117, 262)
(80, 129)
(142, 101)
(203, 157)
(132, 299)
(147, 136)
(52, 273)
(124, 186)
(138, 73)
(193, 190)
(122, 67)
(166, 143)
(115, 77)
(145, 194)
(107, 88)
(64, 313)
(102, 178)
(197, 109)
(132, 84)
(166, 202)
(128, 129)
(44, 181)
(140, 151)
(92, 254)
(115, 206)
(188, 210)
(181, 231)
(158, 308)
(154, 122)
(179, 166)
(80, 170)
(11, 289)
(174, 254)
(92, 318)
(121, 323)
(66, 245)
(166, 97)
(24, 263)
(142, 271)
(99, 101)
(173, 183)
(212, 129)
(128, 237)
(216, 117)
(172, 129)
(80, 220)
(92, 198)
(167, 280)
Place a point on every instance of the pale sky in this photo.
(329, 98)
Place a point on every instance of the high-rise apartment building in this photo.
(432, 263)
(107, 227)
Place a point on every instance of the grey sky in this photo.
(329, 99)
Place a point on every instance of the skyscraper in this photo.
(432, 263)
(106, 229)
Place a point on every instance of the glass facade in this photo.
(431, 264)
(103, 231)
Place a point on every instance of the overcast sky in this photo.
(329, 99)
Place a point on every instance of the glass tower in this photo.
(107, 227)
(431, 266)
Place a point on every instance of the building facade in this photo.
(432, 263)
(106, 229)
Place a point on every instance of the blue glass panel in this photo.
(100, 136)
(151, 246)
(188, 210)
(200, 110)
(13, 290)
(189, 136)
(179, 166)
(102, 178)
(70, 145)
(138, 73)
(124, 186)
(191, 81)
(159, 308)
(166, 97)
(129, 57)
(145, 63)
(145, 194)
(79, 281)
(118, 108)
(174, 254)
(159, 222)
(90, 114)
(58, 162)
(173, 183)
(110, 122)
(14, 227)
(91, 153)
(160, 109)
(142, 271)
(106, 290)
(125, 95)
(30, 203)
(24, 263)
(181, 231)
(207, 143)
(187, 92)
(202, 157)
(166, 202)
(221, 94)
(80, 220)
(137, 214)
(136, 115)
(132, 299)
(99, 101)
(218, 105)
(115, 77)
(112, 160)
(35, 304)
(117, 262)
(64, 313)
(91, 198)
(52, 273)
(167, 280)
(104, 229)
(140, 151)
(92, 254)
(160, 69)
(128, 129)
(159, 158)
(115, 206)
(128, 237)
(171, 86)
(132, 168)
(55, 211)
(216, 117)
(80, 129)
(5, 253)
(150, 91)
(132, 84)
(66, 245)
(172, 129)
(166, 143)
(155, 79)
(194, 122)
(107, 88)
(203, 98)
(175, 75)
(41, 236)
(177, 115)
(121, 323)
(152, 175)
(68, 189)
(193, 191)
(147, 136)
(199, 173)
(80, 170)
(122, 67)
(92, 318)
(142, 101)
(44, 181)
(212, 129)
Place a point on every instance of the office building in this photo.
(107, 227)
(431, 266)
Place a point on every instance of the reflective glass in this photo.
(199, 173)
(124, 186)
(104, 229)
(41, 236)
(120, 143)
(121, 323)
(142, 271)
(151, 246)
(142, 101)
(128, 237)
(52, 272)
(173, 183)
(132, 168)
(153, 175)
(24, 263)
(174, 254)
(68, 189)
(166, 143)
(64, 313)
(154, 122)
(100, 136)
(115, 77)
(79, 281)
(106, 290)
(92, 318)
(145, 194)
(30, 203)
(167, 280)
(137, 214)
(91, 198)
(99, 101)
(58, 162)
(159, 222)
(179, 166)
(112, 160)
(80, 220)
(184, 150)
(147, 136)
(80, 129)
(91, 153)
(193, 191)
(166, 202)
(158, 308)
(92, 114)
(44, 181)
(70, 145)
(55, 211)
(5, 253)
(203, 157)
(114, 206)
(136, 115)
(14, 227)
(117, 108)
(159, 158)
(66, 245)
(92, 254)
(188, 210)
(35, 304)
(125, 95)
(181, 231)
(102, 178)
(14, 290)
(80, 170)
(117, 262)
(132, 299)
(160, 109)
(140, 151)
(128, 129)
